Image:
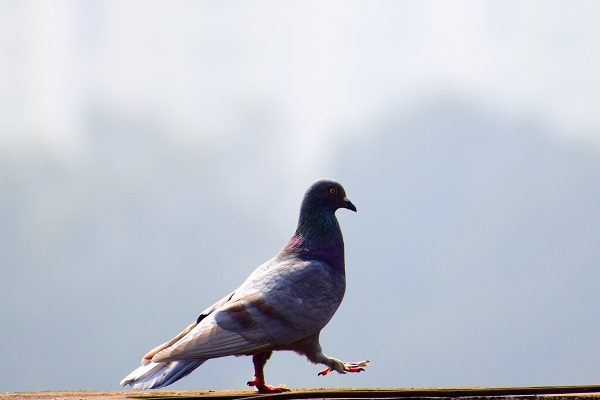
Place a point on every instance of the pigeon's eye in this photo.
(332, 190)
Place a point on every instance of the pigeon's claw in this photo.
(353, 369)
(347, 367)
(262, 387)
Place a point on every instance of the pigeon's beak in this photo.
(348, 204)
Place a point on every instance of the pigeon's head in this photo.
(328, 195)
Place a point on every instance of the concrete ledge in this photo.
(470, 393)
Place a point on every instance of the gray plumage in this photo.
(282, 305)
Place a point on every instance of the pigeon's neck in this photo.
(318, 237)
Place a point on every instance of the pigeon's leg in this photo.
(258, 381)
(311, 348)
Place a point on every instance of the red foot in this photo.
(264, 388)
(354, 369)
(349, 367)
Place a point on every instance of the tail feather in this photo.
(156, 375)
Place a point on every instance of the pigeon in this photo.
(282, 305)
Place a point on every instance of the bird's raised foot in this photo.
(262, 387)
(348, 367)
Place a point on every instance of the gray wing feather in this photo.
(208, 340)
(280, 303)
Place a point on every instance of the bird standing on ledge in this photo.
(282, 305)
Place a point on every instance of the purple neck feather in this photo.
(318, 237)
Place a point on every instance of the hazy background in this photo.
(153, 153)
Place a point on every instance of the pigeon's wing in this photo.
(211, 339)
(283, 301)
(277, 305)
(148, 356)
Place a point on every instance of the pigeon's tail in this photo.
(155, 375)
